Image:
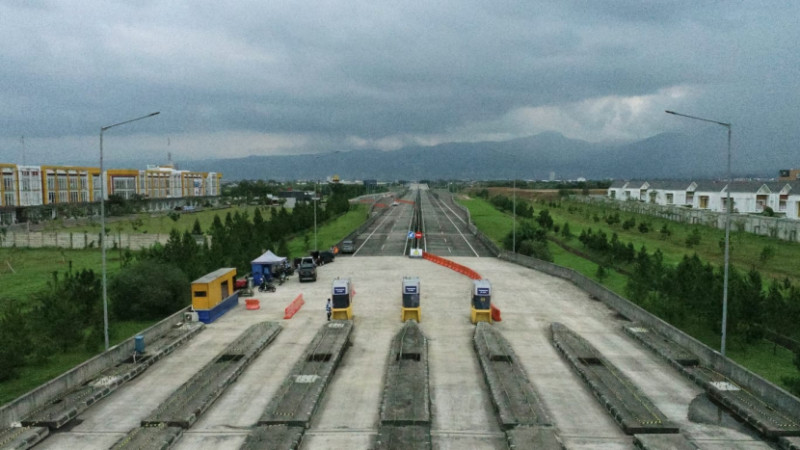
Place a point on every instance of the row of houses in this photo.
(27, 185)
(747, 197)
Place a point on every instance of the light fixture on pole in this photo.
(728, 208)
(103, 222)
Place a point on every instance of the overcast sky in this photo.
(259, 78)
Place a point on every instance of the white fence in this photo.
(81, 240)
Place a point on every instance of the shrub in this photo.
(148, 290)
(693, 238)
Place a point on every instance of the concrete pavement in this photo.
(463, 416)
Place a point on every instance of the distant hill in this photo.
(667, 155)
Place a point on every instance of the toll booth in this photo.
(411, 293)
(481, 301)
(214, 294)
(342, 297)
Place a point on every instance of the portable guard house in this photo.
(214, 294)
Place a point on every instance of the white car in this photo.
(395, 203)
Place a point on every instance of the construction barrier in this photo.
(293, 307)
(495, 313)
(252, 303)
(452, 265)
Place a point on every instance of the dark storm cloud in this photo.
(288, 77)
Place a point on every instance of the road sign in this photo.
(411, 235)
(418, 235)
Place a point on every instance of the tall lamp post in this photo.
(728, 208)
(316, 186)
(514, 215)
(103, 221)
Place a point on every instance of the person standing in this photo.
(329, 309)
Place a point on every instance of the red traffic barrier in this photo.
(293, 307)
(252, 303)
(495, 313)
(452, 265)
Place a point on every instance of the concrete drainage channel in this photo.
(520, 410)
(405, 416)
(631, 409)
(289, 413)
(181, 410)
(61, 410)
(768, 420)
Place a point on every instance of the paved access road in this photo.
(463, 415)
(443, 227)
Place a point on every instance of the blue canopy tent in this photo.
(262, 266)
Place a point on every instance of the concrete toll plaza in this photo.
(349, 411)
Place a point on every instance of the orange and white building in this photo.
(30, 186)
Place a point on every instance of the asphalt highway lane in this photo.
(445, 231)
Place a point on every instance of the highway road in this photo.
(443, 227)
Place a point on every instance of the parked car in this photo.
(307, 260)
(326, 257)
(348, 246)
(307, 271)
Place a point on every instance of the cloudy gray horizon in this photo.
(254, 78)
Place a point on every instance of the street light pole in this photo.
(103, 222)
(728, 208)
(514, 214)
(315, 215)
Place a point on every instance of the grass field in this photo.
(764, 358)
(27, 270)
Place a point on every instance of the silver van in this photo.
(348, 247)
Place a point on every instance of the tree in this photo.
(693, 239)
(544, 220)
(628, 224)
(565, 231)
(149, 290)
(602, 273)
(665, 232)
(15, 338)
(196, 227)
(766, 253)
(536, 249)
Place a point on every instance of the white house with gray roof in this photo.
(748, 197)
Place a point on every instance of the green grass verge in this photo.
(330, 233)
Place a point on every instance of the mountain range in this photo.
(663, 156)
